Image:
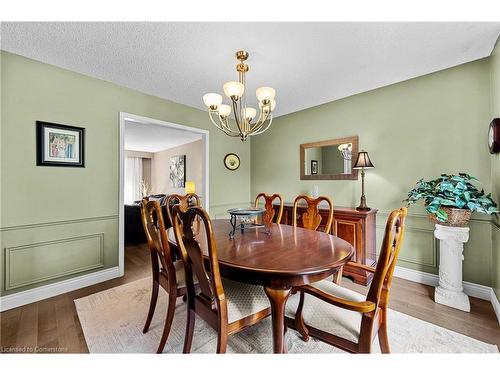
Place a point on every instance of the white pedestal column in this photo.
(450, 289)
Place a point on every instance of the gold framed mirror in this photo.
(329, 160)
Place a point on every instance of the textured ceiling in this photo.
(154, 138)
(307, 63)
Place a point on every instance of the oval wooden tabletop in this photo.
(286, 257)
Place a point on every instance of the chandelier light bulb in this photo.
(265, 94)
(250, 113)
(234, 89)
(224, 110)
(212, 100)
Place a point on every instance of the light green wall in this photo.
(495, 162)
(418, 128)
(51, 205)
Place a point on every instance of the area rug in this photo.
(112, 322)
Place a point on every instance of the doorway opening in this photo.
(157, 158)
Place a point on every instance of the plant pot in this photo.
(457, 217)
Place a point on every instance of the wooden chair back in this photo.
(156, 235)
(311, 219)
(183, 200)
(210, 282)
(268, 205)
(389, 252)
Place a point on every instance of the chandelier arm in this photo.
(258, 125)
(235, 110)
(258, 122)
(260, 131)
(224, 124)
(230, 132)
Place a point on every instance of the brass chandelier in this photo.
(246, 122)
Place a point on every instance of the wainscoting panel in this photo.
(33, 263)
(38, 254)
(420, 249)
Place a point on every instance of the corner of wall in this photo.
(495, 165)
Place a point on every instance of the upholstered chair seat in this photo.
(243, 299)
(326, 317)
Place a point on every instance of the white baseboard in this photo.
(416, 276)
(471, 289)
(36, 294)
(496, 304)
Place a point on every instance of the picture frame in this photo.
(59, 145)
(232, 161)
(314, 167)
(178, 171)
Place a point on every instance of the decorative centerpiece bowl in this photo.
(244, 218)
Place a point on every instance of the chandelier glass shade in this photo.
(236, 119)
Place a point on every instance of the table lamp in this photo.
(190, 187)
(363, 162)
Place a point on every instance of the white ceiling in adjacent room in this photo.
(154, 138)
(307, 63)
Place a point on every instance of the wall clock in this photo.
(232, 162)
(494, 136)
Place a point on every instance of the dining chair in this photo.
(311, 219)
(268, 205)
(185, 201)
(227, 306)
(342, 317)
(166, 273)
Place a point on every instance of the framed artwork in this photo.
(178, 171)
(232, 162)
(314, 167)
(59, 145)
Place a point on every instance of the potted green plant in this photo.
(451, 199)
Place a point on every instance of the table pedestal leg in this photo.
(278, 298)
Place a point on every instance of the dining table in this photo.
(279, 258)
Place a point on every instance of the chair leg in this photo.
(383, 338)
(299, 319)
(172, 297)
(221, 340)
(152, 304)
(189, 330)
(337, 276)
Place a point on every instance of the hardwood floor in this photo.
(52, 325)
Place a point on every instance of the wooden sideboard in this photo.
(356, 227)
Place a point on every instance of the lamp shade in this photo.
(250, 113)
(234, 89)
(363, 161)
(224, 110)
(212, 100)
(190, 187)
(265, 94)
